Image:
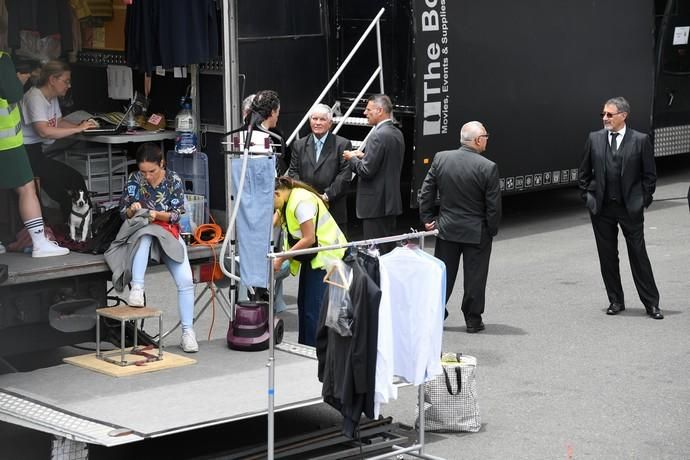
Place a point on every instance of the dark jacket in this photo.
(378, 173)
(470, 195)
(347, 365)
(638, 171)
(330, 175)
(121, 252)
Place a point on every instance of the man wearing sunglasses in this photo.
(617, 178)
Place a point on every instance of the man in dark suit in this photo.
(618, 178)
(317, 160)
(378, 170)
(470, 211)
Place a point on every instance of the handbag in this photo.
(450, 399)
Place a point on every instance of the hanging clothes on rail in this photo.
(171, 33)
(411, 311)
(40, 30)
(347, 364)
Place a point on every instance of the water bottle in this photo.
(185, 141)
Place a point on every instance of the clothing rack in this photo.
(417, 449)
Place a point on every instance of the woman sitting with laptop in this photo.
(42, 124)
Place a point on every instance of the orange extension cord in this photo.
(217, 232)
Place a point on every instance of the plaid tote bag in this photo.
(450, 400)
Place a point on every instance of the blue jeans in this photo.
(279, 304)
(181, 273)
(254, 218)
(309, 299)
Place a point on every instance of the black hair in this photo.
(150, 153)
(265, 102)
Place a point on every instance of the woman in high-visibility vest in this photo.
(15, 170)
(307, 223)
(43, 124)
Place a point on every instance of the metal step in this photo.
(352, 121)
(356, 144)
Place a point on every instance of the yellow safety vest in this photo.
(327, 231)
(10, 124)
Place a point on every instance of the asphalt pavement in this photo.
(557, 378)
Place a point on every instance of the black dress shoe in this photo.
(654, 312)
(615, 308)
(475, 329)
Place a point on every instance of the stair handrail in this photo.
(374, 23)
(352, 106)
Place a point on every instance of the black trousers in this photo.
(56, 178)
(475, 268)
(605, 225)
(378, 227)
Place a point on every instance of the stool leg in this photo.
(136, 332)
(98, 336)
(122, 342)
(160, 340)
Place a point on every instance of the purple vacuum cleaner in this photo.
(249, 330)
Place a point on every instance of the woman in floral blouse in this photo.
(160, 191)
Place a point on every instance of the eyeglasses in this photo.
(66, 82)
(609, 114)
(483, 135)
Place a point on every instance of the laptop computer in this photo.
(109, 129)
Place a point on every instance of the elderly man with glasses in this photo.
(617, 178)
(470, 210)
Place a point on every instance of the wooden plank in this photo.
(90, 362)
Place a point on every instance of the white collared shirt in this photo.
(318, 150)
(619, 138)
(383, 121)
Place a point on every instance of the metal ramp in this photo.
(25, 412)
(78, 406)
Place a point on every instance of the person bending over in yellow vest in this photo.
(306, 223)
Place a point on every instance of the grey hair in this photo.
(384, 102)
(322, 108)
(470, 131)
(620, 102)
(247, 103)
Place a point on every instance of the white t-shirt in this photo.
(35, 107)
(304, 211)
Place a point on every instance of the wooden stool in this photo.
(123, 314)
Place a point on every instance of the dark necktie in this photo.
(614, 144)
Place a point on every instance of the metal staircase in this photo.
(347, 119)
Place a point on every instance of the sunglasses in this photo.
(608, 114)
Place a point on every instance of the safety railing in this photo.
(375, 24)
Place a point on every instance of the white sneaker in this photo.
(2, 248)
(188, 342)
(48, 248)
(136, 296)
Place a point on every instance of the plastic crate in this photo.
(196, 204)
(193, 170)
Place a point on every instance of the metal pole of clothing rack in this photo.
(418, 447)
